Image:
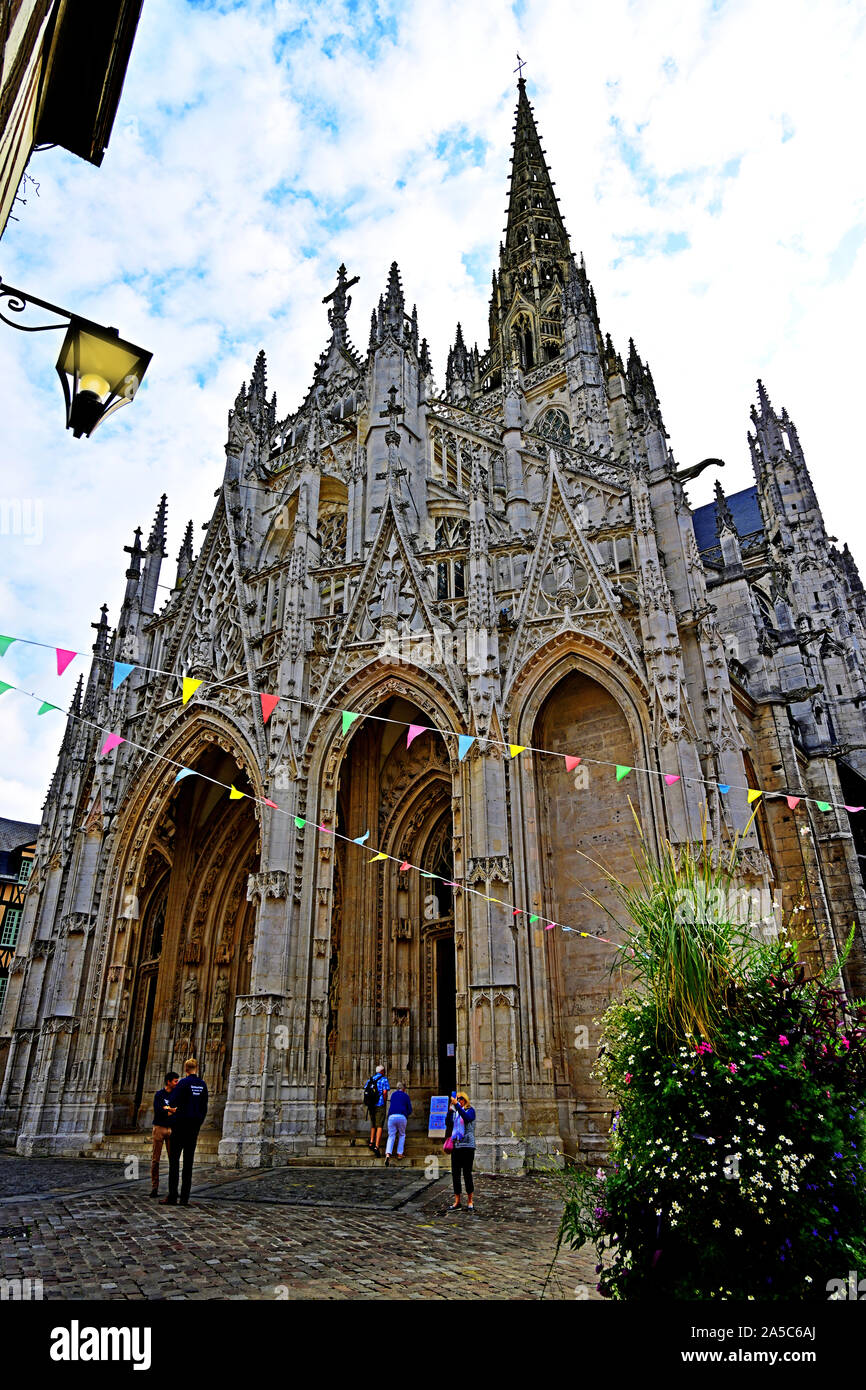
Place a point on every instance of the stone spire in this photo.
(185, 558)
(724, 517)
(535, 235)
(459, 372)
(259, 409)
(153, 560)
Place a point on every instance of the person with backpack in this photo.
(376, 1093)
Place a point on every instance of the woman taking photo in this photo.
(463, 1152)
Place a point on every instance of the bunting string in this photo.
(189, 686)
(114, 740)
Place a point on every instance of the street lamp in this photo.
(99, 370)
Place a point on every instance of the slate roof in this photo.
(745, 510)
(14, 834)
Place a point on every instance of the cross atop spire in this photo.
(521, 64)
(340, 303)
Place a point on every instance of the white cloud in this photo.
(245, 165)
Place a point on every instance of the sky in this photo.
(707, 162)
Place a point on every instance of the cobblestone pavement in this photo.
(298, 1233)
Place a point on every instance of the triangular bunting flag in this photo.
(235, 795)
(5, 644)
(362, 838)
(300, 822)
(326, 829)
(4, 686)
(414, 731)
(349, 718)
(824, 805)
(670, 778)
(550, 926)
(63, 659)
(464, 743)
(405, 866)
(533, 918)
(184, 772)
(269, 704)
(793, 802)
(272, 804)
(122, 669)
(724, 788)
(570, 762)
(112, 741)
(377, 857)
(45, 707)
(753, 794)
(190, 686)
(854, 809)
(622, 771)
(515, 748)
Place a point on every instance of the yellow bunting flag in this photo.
(190, 686)
(515, 748)
(235, 795)
(753, 795)
(377, 857)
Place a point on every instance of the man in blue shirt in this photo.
(377, 1111)
(189, 1099)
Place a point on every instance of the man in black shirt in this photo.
(189, 1100)
(163, 1118)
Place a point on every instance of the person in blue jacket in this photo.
(398, 1117)
(189, 1101)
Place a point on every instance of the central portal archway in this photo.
(392, 974)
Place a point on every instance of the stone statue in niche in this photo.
(220, 999)
(190, 990)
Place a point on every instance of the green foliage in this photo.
(737, 1149)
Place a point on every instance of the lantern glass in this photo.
(99, 371)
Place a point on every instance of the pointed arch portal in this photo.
(392, 971)
(192, 947)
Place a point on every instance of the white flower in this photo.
(737, 1231)
(717, 1222)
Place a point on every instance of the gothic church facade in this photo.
(514, 558)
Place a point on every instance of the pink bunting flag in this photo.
(112, 741)
(550, 926)
(570, 762)
(405, 866)
(414, 731)
(63, 659)
(269, 704)
(273, 804)
(854, 809)
(793, 802)
(325, 828)
(670, 778)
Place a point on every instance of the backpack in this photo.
(371, 1094)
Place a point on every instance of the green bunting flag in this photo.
(622, 771)
(45, 707)
(5, 644)
(349, 718)
(4, 686)
(533, 918)
(300, 822)
(823, 805)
